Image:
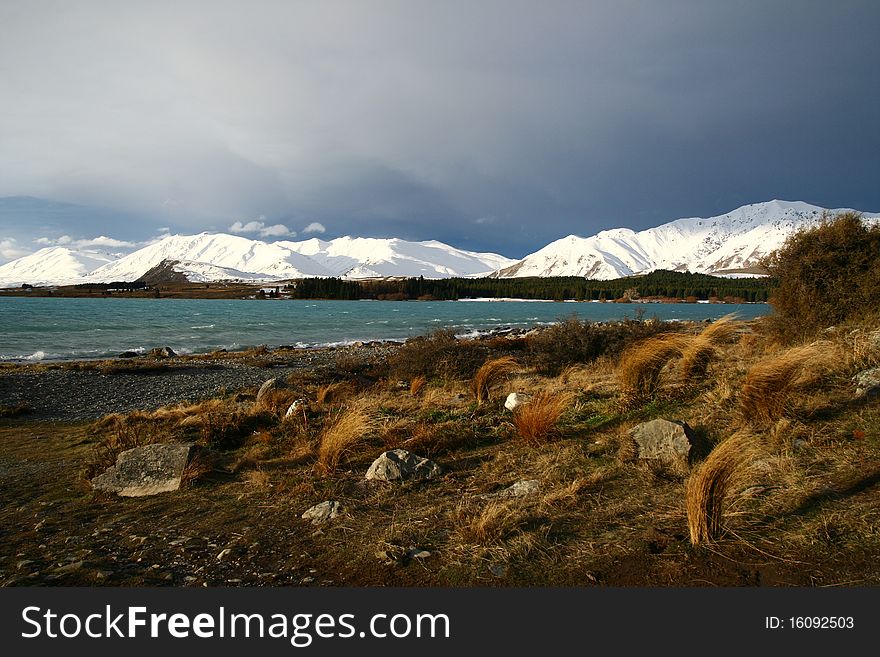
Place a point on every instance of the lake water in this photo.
(51, 329)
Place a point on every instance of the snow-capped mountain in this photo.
(54, 265)
(721, 245)
(364, 257)
(212, 257)
(714, 245)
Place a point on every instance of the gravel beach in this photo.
(58, 395)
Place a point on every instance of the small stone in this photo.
(68, 569)
(296, 408)
(323, 512)
(417, 553)
(521, 488)
(498, 569)
(515, 400)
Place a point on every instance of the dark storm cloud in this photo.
(490, 125)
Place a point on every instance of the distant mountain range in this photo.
(729, 244)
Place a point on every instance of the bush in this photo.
(827, 275)
(574, 341)
(439, 354)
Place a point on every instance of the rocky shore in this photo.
(73, 395)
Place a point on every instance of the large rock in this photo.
(162, 352)
(867, 383)
(146, 470)
(399, 465)
(323, 512)
(267, 387)
(667, 440)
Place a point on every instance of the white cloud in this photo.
(9, 249)
(164, 229)
(315, 227)
(260, 227)
(101, 240)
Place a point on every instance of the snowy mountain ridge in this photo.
(720, 245)
(723, 245)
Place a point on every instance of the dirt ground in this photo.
(224, 531)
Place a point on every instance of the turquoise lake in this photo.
(51, 329)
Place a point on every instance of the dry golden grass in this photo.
(496, 521)
(537, 421)
(276, 401)
(638, 374)
(342, 436)
(703, 348)
(708, 488)
(332, 393)
(417, 385)
(258, 479)
(770, 384)
(490, 375)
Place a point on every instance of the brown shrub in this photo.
(574, 341)
(827, 275)
(439, 354)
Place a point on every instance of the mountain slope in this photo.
(54, 265)
(364, 257)
(715, 245)
(207, 257)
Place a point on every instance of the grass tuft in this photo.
(490, 375)
(703, 348)
(708, 488)
(769, 385)
(538, 420)
(342, 436)
(638, 373)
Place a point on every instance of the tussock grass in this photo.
(332, 393)
(417, 385)
(703, 348)
(491, 373)
(638, 374)
(707, 489)
(769, 385)
(493, 523)
(339, 438)
(537, 421)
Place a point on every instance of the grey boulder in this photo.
(401, 465)
(666, 440)
(323, 512)
(146, 470)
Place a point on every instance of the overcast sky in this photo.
(488, 125)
